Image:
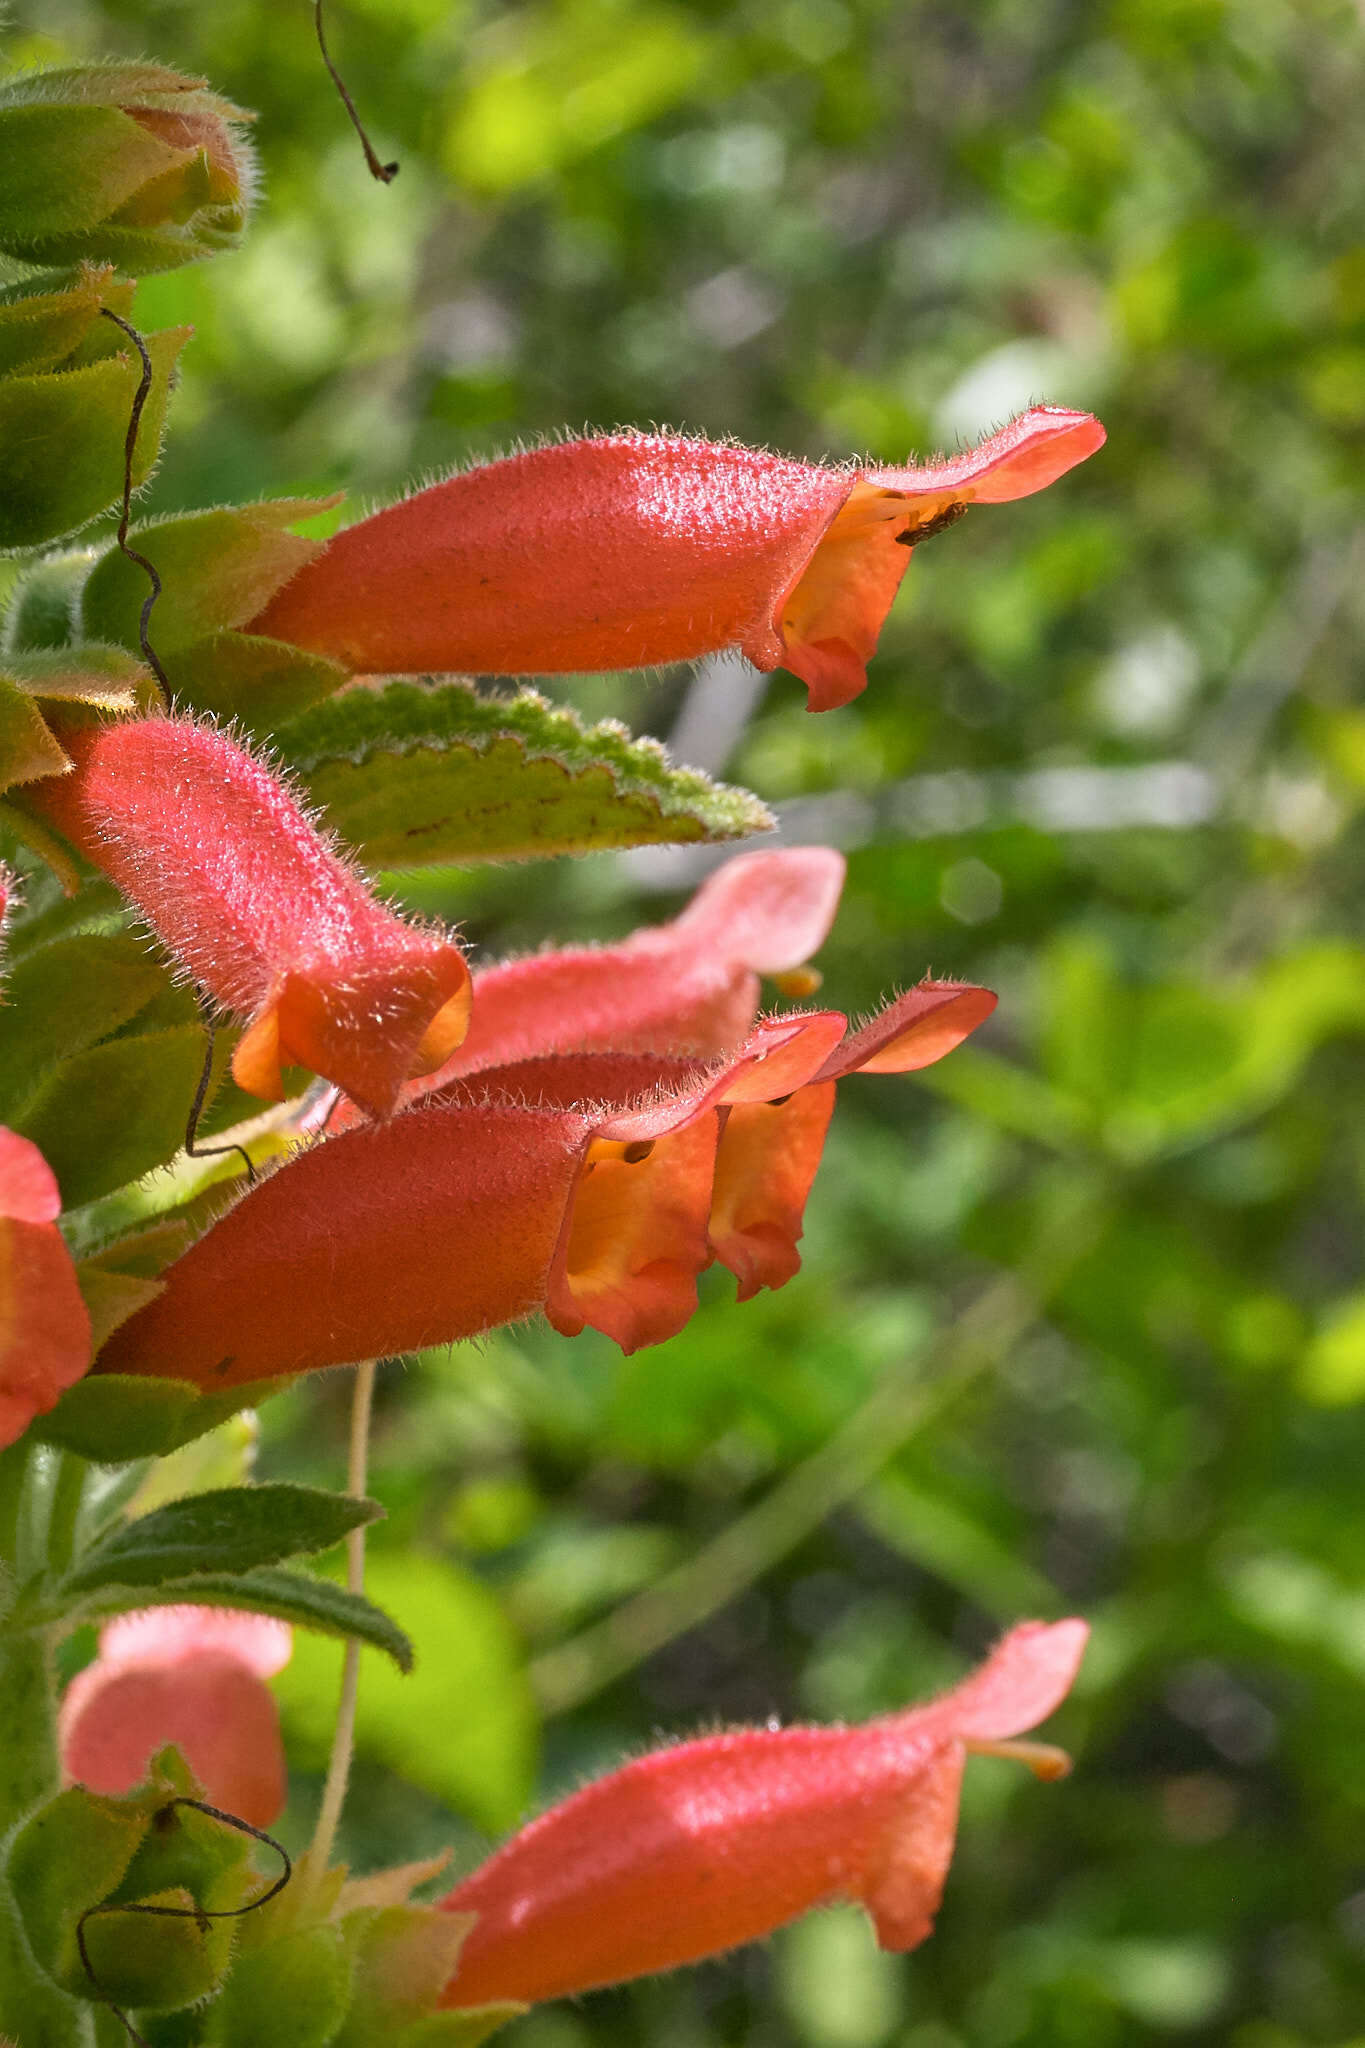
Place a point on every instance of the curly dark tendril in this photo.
(199, 1914)
(196, 1151)
(385, 173)
(140, 398)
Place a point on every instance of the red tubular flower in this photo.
(693, 1850)
(44, 1325)
(194, 1676)
(594, 1186)
(234, 879)
(635, 549)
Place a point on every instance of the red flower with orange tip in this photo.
(44, 1324)
(240, 887)
(690, 1851)
(594, 1186)
(194, 1676)
(635, 549)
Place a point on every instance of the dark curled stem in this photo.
(129, 450)
(196, 1913)
(385, 173)
(196, 1151)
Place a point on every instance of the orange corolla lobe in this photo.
(631, 549)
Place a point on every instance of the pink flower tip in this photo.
(194, 1676)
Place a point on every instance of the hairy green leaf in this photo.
(63, 434)
(114, 1418)
(415, 775)
(230, 1529)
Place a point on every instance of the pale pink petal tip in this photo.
(1026, 1677)
(770, 911)
(171, 1635)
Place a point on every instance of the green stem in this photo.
(343, 1738)
(28, 1725)
(68, 1491)
(13, 1472)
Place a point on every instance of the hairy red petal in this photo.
(920, 1027)
(635, 549)
(635, 1237)
(693, 1850)
(432, 1227)
(767, 1160)
(686, 987)
(44, 1324)
(236, 881)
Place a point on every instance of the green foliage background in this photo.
(1082, 1326)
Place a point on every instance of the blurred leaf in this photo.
(462, 1726)
(1333, 1368)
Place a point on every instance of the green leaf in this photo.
(41, 329)
(92, 673)
(64, 433)
(110, 1298)
(291, 1993)
(115, 1112)
(231, 1529)
(244, 676)
(414, 775)
(310, 1603)
(404, 1957)
(42, 610)
(64, 998)
(114, 1418)
(469, 1681)
(27, 749)
(217, 569)
(464, 2029)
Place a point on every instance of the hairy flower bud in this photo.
(131, 164)
(250, 899)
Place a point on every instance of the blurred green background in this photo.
(1082, 1326)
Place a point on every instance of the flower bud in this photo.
(130, 164)
(251, 900)
(84, 1869)
(194, 1676)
